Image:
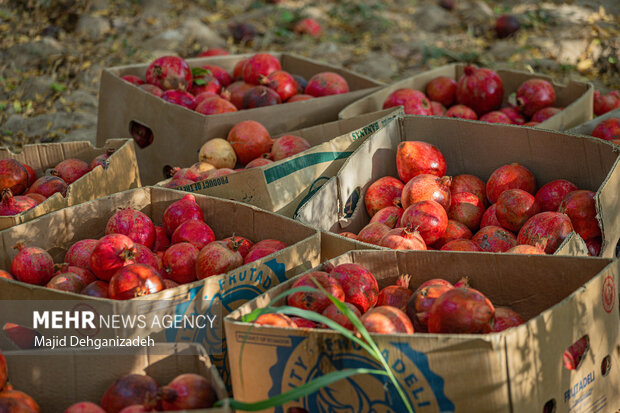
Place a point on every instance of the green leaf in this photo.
(200, 82)
(57, 87)
(199, 71)
(286, 16)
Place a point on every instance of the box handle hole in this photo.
(550, 406)
(141, 134)
(606, 365)
(574, 355)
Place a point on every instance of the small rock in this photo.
(33, 86)
(434, 18)
(377, 65)
(93, 27)
(33, 54)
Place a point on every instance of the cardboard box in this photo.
(121, 174)
(472, 148)
(56, 379)
(55, 232)
(179, 132)
(284, 185)
(518, 370)
(586, 128)
(575, 97)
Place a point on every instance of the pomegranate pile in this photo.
(436, 306)
(21, 189)
(137, 257)
(423, 209)
(12, 400)
(479, 95)
(248, 144)
(255, 82)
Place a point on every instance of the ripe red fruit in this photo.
(97, 289)
(467, 209)
(461, 112)
(186, 392)
(240, 244)
(201, 97)
(308, 26)
(208, 83)
(14, 401)
(147, 257)
(213, 52)
(32, 175)
(580, 207)
(180, 97)
(454, 230)
(259, 65)
(333, 313)
(262, 249)
(135, 224)
(111, 253)
(102, 160)
(359, 285)
(195, 232)
(127, 391)
(494, 239)
(513, 176)
(237, 72)
(6, 275)
(13, 205)
(48, 185)
(415, 158)
(490, 217)
(13, 176)
(532, 124)
(186, 173)
(480, 89)
(169, 72)
(86, 275)
(152, 89)
(544, 114)
(526, 249)
(84, 407)
(303, 323)
(133, 79)
(70, 170)
(442, 89)
(505, 318)
(161, 239)
(382, 193)
(315, 301)
(514, 207)
(496, 117)
(414, 101)
(434, 281)
(282, 83)
(79, 253)
(66, 281)
(420, 303)
(469, 183)
(299, 98)
(389, 216)
(437, 108)
(179, 262)
(387, 320)
(534, 95)
(397, 295)
(430, 219)
(276, 320)
(220, 74)
(250, 140)
(288, 145)
(348, 234)
(215, 106)
(460, 311)
(32, 265)
(461, 244)
(506, 25)
(373, 233)
(550, 195)
(180, 211)
(216, 259)
(235, 92)
(605, 103)
(513, 114)
(325, 84)
(594, 246)
(260, 96)
(547, 230)
(37, 198)
(427, 187)
(403, 239)
(608, 129)
(134, 280)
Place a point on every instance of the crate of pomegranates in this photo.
(453, 184)
(502, 96)
(459, 332)
(50, 176)
(279, 173)
(171, 106)
(179, 377)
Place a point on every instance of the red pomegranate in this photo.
(442, 89)
(513, 114)
(389, 216)
(66, 281)
(547, 230)
(359, 285)
(430, 219)
(180, 97)
(260, 96)
(13, 205)
(37, 198)
(544, 114)
(270, 243)
(382, 193)
(427, 187)
(86, 275)
(403, 239)
(303, 323)
(48, 185)
(505, 318)
(169, 72)
(152, 89)
(308, 26)
(434, 281)
(531, 124)
(288, 145)
(259, 65)
(480, 89)
(215, 106)
(513, 176)
(186, 173)
(127, 391)
(460, 311)
(505, 25)
(186, 392)
(84, 407)
(299, 98)
(415, 158)
(257, 253)
(213, 52)
(420, 303)
(594, 246)
(161, 239)
(437, 108)
(494, 239)
(347, 234)
(471, 184)
(608, 130)
(237, 72)
(333, 313)
(3, 371)
(605, 103)
(32, 265)
(70, 170)
(414, 102)
(276, 320)
(461, 244)
(240, 244)
(580, 207)
(514, 207)
(79, 253)
(496, 116)
(111, 253)
(147, 257)
(467, 209)
(219, 73)
(397, 295)
(6, 275)
(526, 249)
(102, 160)
(97, 289)
(168, 284)
(179, 262)
(14, 401)
(282, 83)
(373, 233)
(134, 280)
(490, 217)
(203, 84)
(135, 224)
(325, 84)
(216, 259)
(461, 112)
(250, 140)
(454, 230)
(534, 95)
(13, 176)
(201, 97)
(235, 92)
(387, 320)
(180, 211)
(32, 175)
(134, 80)
(550, 195)
(195, 232)
(315, 301)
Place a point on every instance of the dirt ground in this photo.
(52, 51)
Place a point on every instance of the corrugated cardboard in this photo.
(56, 379)
(179, 132)
(121, 174)
(55, 232)
(518, 370)
(586, 128)
(575, 97)
(473, 148)
(284, 185)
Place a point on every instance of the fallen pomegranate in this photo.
(414, 158)
(460, 311)
(480, 89)
(129, 390)
(187, 391)
(359, 285)
(325, 84)
(309, 27)
(505, 25)
(387, 320)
